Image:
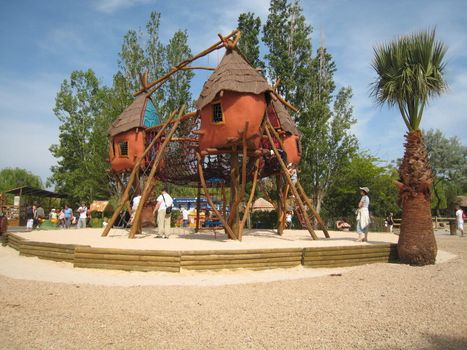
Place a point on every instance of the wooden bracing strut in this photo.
(301, 190)
(149, 185)
(125, 196)
(300, 196)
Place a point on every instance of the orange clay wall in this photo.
(135, 149)
(237, 108)
(291, 149)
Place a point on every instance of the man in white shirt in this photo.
(164, 201)
(185, 216)
(460, 220)
(83, 211)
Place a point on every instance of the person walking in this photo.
(460, 220)
(68, 216)
(39, 216)
(83, 211)
(30, 217)
(163, 209)
(185, 216)
(363, 215)
(390, 222)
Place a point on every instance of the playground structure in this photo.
(240, 132)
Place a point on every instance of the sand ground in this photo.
(379, 306)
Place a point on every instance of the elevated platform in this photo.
(260, 249)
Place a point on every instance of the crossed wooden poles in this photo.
(233, 225)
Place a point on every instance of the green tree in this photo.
(448, 159)
(77, 106)
(362, 170)
(177, 89)
(132, 60)
(410, 71)
(328, 145)
(17, 177)
(249, 26)
(287, 36)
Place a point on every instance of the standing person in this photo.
(288, 220)
(185, 216)
(390, 222)
(134, 207)
(293, 173)
(460, 220)
(61, 218)
(39, 215)
(363, 215)
(30, 217)
(163, 209)
(83, 211)
(68, 216)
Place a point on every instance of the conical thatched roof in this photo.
(262, 204)
(131, 117)
(234, 73)
(287, 124)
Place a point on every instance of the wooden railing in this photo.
(438, 222)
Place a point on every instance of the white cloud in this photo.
(111, 6)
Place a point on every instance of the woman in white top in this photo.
(363, 215)
(460, 220)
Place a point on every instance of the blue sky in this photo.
(42, 42)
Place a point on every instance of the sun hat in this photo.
(366, 189)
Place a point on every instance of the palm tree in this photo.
(410, 72)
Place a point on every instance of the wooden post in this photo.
(198, 207)
(250, 199)
(287, 177)
(124, 197)
(185, 63)
(301, 190)
(280, 206)
(229, 230)
(149, 184)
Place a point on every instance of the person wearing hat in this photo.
(363, 215)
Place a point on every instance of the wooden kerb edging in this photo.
(174, 261)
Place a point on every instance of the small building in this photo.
(232, 96)
(126, 134)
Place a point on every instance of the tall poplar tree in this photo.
(250, 26)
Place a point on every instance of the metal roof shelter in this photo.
(32, 191)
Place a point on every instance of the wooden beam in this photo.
(301, 190)
(287, 177)
(124, 197)
(185, 63)
(250, 199)
(229, 230)
(149, 184)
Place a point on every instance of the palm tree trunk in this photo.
(417, 244)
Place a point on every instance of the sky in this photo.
(42, 42)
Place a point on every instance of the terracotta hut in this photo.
(126, 135)
(233, 95)
(281, 119)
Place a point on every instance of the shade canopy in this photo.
(32, 191)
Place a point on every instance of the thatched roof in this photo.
(131, 117)
(287, 124)
(234, 73)
(262, 204)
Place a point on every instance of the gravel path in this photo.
(380, 306)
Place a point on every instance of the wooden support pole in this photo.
(198, 207)
(185, 63)
(149, 184)
(280, 206)
(301, 190)
(313, 210)
(250, 199)
(287, 177)
(229, 230)
(124, 197)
